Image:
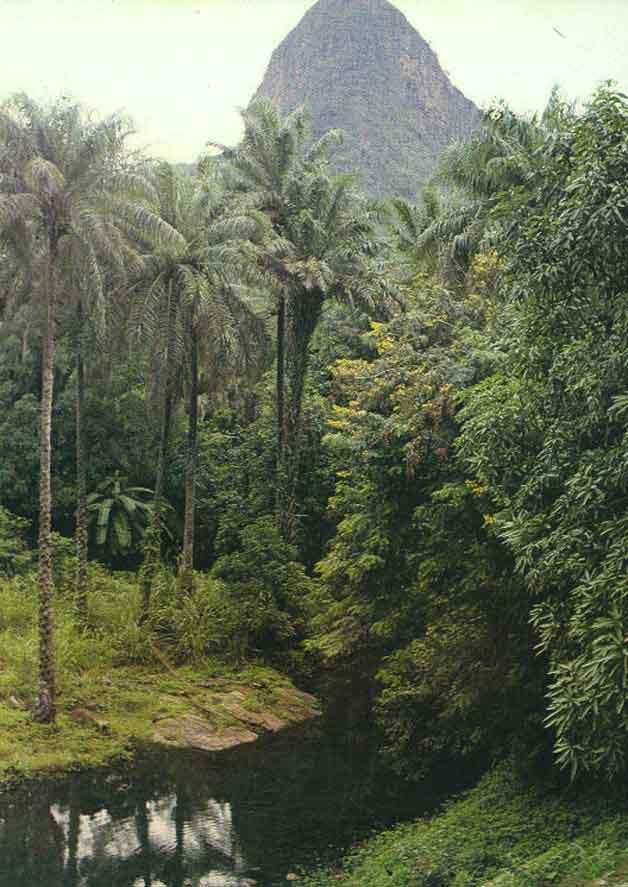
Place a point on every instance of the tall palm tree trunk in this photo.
(279, 382)
(45, 709)
(187, 563)
(280, 482)
(152, 547)
(304, 313)
(81, 482)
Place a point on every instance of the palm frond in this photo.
(17, 208)
(41, 175)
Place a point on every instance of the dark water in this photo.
(253, 813)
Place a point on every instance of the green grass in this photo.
(120, 673)
(129, 698)
(508, 830)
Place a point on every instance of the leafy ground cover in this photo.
(510, 830)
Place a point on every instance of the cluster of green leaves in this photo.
(14, 554)
(114, 640)
(120, 513)
(469, 541)
(230, 619)
(468, 682)
(119, 438)
(250, 605)
(390, 425)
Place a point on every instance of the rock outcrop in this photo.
(360, 66)
(227, 718)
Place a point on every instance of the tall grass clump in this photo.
(114, 637)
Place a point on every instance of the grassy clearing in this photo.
(118, 672)
(509, 830)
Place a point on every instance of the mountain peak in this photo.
(354, 6)
(360, 66)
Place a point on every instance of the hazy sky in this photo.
(181, 68)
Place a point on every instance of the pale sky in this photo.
(181, 68)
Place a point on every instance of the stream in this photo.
(252, 814)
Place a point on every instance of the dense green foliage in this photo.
(385, 441)
(509, 828)
(547, 433)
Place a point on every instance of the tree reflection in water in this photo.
(199, 820)
(161, 843)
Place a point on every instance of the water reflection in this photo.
(185, 820)
(166, 841)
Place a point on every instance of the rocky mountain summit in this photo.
(360, 66)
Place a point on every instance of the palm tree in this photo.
(117, 259)
(408, 222)
(265, 171)
(170, 277)
(457, 213)
(215, 362)
(322, 247)
(188, 305)
(57, 209)
(327, 256)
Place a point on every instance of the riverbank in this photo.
(106, 715)
(511, 830)
(120, 684)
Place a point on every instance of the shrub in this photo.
(207, 622)
(266, 586)
(14, 555)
